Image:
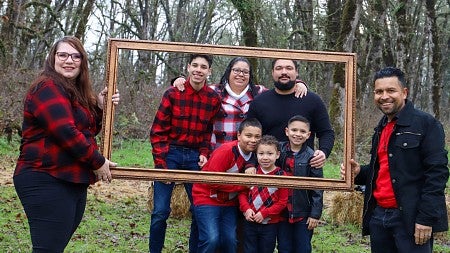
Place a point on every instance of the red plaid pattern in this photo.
(233, 112)
(58, 136)
(289, 167)
(184, 118)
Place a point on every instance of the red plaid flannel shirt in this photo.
(58, 136)
(184, 118)
(289, 169)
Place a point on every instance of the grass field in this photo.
(117, 217)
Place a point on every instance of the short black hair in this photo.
(275, 61)
(391, 72)
(270, 140)
(298, 118)
(207, 57)
(249, 122)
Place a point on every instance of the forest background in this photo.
(412, 35)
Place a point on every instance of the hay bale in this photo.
(347, 207)
(179, 202)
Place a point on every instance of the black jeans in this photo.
(259, 238)
(54, 209)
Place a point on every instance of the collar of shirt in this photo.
(190, 90)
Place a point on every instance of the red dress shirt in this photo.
(383, 192)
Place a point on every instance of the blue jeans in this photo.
(180, 158)
(54, 209)
(389, 234)
(294, 237)
(259, 238)
(216, 228)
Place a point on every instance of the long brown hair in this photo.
(80, 90)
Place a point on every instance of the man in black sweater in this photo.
(275, 107)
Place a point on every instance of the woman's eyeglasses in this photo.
(245, 72)
(63, 56)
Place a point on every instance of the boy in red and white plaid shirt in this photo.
(262, 205)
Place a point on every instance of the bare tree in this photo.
(349, 21)
(412, 35)
(436, 62)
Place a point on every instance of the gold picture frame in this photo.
(349, 59)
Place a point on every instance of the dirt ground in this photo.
(117, 189)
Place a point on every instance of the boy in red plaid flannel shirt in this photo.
(180, 138)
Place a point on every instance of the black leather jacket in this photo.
(305, 203)
(418, 166)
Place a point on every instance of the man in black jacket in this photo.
(404, 202)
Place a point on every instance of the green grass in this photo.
(331, 171)
(107, 226)
(121, 223)
(133, 153)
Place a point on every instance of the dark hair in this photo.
(226, 76)
(269, 140)
(81, 90)
(253, 122)
(299, 118)
(207, 57)
(275, 61)
(391, 72)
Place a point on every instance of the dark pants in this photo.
(260, 238)
(216, 228)
(388, 234)
(54, 209)
(294, 237)
(177, 158)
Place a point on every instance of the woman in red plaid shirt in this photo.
(59, 157)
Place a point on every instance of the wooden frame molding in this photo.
(349, 59)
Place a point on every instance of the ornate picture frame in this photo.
(348, 59)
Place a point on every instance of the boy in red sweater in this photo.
(216, 206)
(262, 205)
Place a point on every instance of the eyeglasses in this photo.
(63, 56)
(245, 72)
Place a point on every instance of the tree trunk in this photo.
(436, 61)
(402, 35)
(247, 11)
(84, 18)
(332, 26)
(344, 42)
